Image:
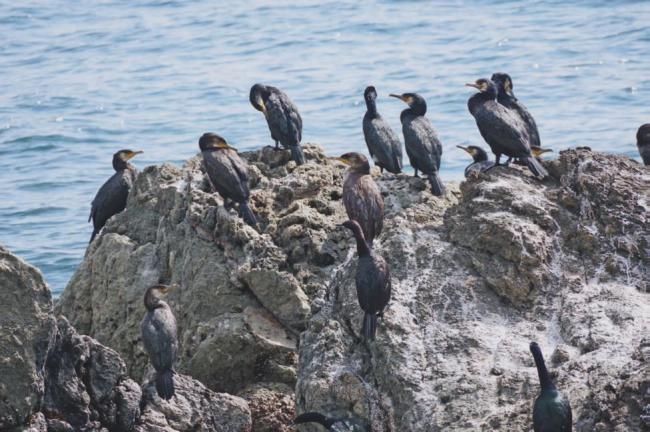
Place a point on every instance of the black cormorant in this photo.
(552, 410)
(643, 143)
(159, 337)
(282, 116)
(421, 141)
(383, 144)
(501, 128)
(361, 196)
(333, 424)
(228, 173)
(111, 197)
(481, 162)
(372, 281)
(507, 98)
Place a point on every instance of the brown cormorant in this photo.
(372, 281)
(111, 197)
(383, 144)
(333, 424)
(282, 116)
(501, 128)
(159, 337)
(421, 141)
(643, 142)
(228, 173)
(481, 162)
(552, 410)
(361, 196)
(507, 98)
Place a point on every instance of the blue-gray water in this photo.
(80, 80)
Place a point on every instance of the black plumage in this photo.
(282, 117)
(480, 163)
(383, 144)
(361, 196)
(372, 282)
(159, 335)
(507, 98)
(111, 197)
(228, 173)
(421, 141)
(333, 424)
(501, 128)
(552, 409)
(643, 142)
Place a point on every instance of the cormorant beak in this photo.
(464, 148)
(541, 151)
(133, 154)
(343, 160)
(476, 86)
(400, 97)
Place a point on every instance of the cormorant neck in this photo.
(151, 301)
(371, 104)
(419, 109)
(544, 378)
(480, 156)
(362, 246)
(119, 164)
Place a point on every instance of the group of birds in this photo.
(504, 123)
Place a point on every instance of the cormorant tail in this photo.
(369, 326)
(535, 167)
(313, 417)
(247, 214)
(165, 384)
(437, 187)
(92, 236)
(297, 154)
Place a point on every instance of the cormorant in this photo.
(228, 173)
(159, 337)
(372, 281)
(422, 144)
(552, 410)
(501, 128)
(111, 197)
(643, 142)
(383, 144)
(481, 162)
(282, 116)
(507, 98)
(333, 424)
(361, 196)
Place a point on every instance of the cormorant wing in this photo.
(224, 176)
(383, 144)
(110, 198)
(159, 335)
(283, 118)
(501, 129)
(423, 144)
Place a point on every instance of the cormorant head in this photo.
(477, 153)
(643, 135)
(121, 158)
(154, 295)
(257, 96)
(537, 151)
(503, 82)
(356, 161)
(370, 94)
(413, 100)
(484, 86)
(353, 226)
(212, 141)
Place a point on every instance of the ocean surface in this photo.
(81, 80)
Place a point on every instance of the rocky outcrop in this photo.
(477, 275)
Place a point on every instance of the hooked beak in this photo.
(400, 97)
(133, 154)
(463, 148)
(473, 85)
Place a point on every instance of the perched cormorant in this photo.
(228, 173)
(333, 424)
(372, 281)
(282, 116)
(507, 98)
(159, 336)
(361, 196)
(422, 144)
(383, 144)
(643, 143)
(501, 128)
(111, 197)
(552, 410)
(481, 162)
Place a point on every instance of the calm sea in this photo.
(80, 80)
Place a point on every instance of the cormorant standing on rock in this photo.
(372, 281)
(481, 162)
(228, 173)
(552, 410)
(339, 424)
(501, 128)
(282, 116)
(383, 144)
(643, 143)
(111, 197)
(361, 196)
(422, 144)
(507, 98)
(159, 337)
